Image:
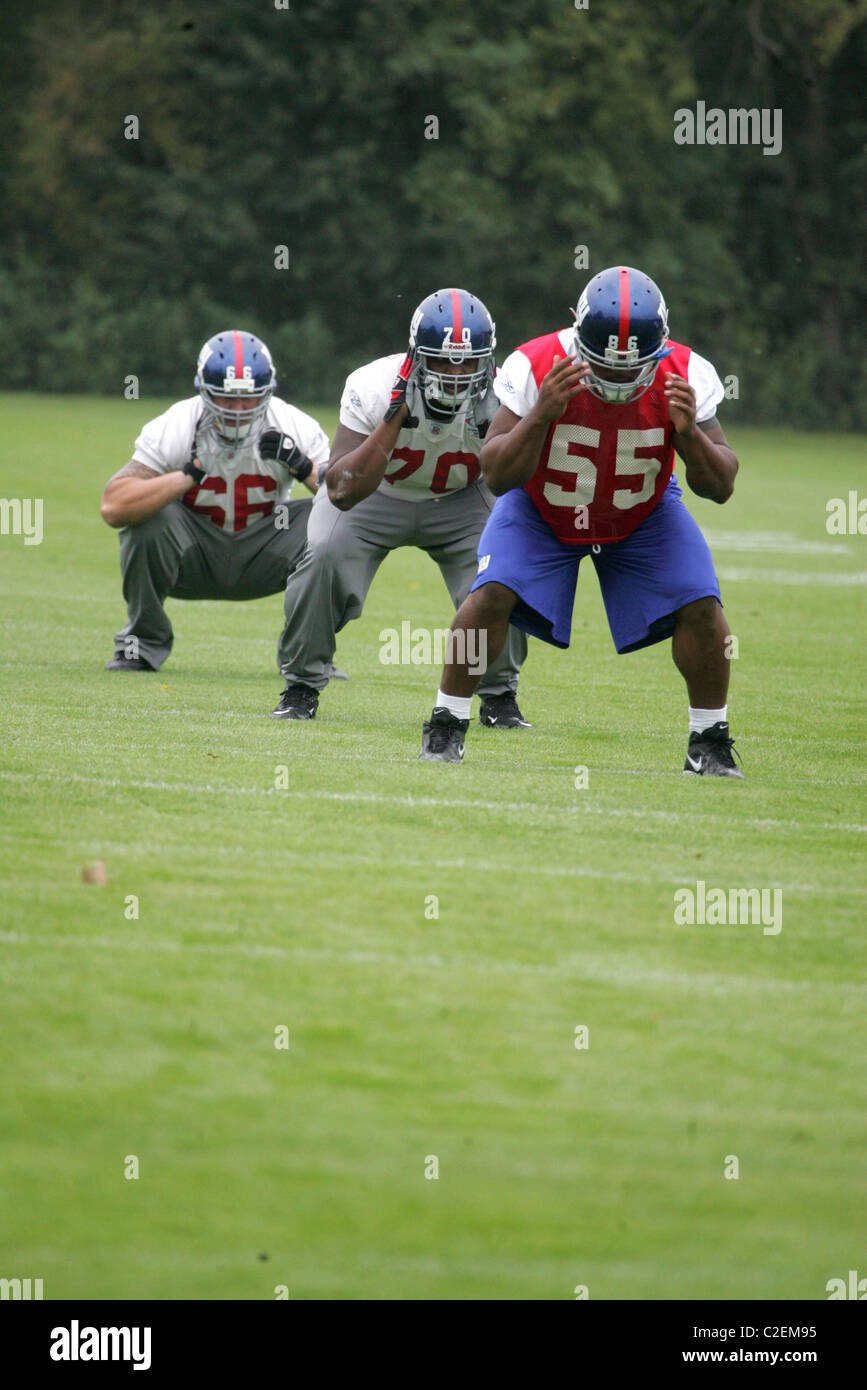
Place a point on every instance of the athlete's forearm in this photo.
(710, 467)
(510, 460)
(130, 501)
(357, 474)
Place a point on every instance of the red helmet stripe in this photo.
(239, 355)
(623, 328)
(458, 328)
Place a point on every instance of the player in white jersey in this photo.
(404, 470)
(203, 505)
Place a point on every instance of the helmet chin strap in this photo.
(435, 411)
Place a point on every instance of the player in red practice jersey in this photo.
(580, 456)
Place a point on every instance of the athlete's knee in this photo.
(146, 532)
(152, 541)
(321, 580)
(703, 614)
(328, 546)
(490, 603)
(316, 561)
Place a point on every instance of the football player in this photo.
(580, 456)
(203, 505)
(404, 470)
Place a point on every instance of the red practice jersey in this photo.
(603, 468)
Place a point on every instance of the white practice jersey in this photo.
(239, 486)
(516, 387)
(437, 456)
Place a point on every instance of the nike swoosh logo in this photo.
(696, 766)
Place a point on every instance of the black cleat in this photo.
(501, 712)
(442, 739)
(711, 753)
(297, 702)
(119, 662)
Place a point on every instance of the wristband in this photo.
(304, 469)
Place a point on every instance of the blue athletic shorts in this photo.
(664, 564)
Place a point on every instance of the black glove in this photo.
(398, 392)
(485, 408)
(274, 445)
(197, 474)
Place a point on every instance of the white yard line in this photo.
(451, 803)
(759, 576)
(583, 967)
(771, 543)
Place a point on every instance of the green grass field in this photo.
(412, 1037)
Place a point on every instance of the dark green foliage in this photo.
(305, 128)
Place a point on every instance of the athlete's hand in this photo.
(192, 470)
(193, 466)
(484, 411)
(680, 397)
(399, 388)
(274, 445)
(563, 381)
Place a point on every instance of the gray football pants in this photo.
(177, 554)
(344, 551)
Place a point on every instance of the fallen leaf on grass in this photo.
(95, 872)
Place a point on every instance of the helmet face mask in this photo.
(453, 325)
(621, 329)
(235, 425)
(635, 377)
(235, 366)
(446, 392)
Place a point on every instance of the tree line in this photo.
(311, 171)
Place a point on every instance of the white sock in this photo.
(458, 705)
(701, 719)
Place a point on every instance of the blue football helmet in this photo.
(621, 324)
(453, 324)
(237, 365)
